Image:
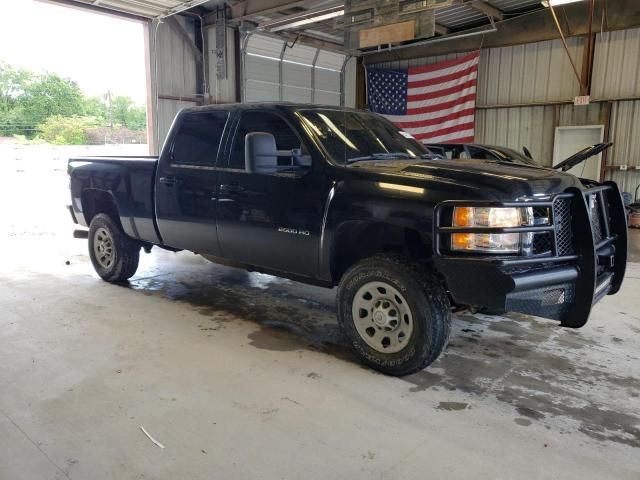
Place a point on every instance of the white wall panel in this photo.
(616, 67)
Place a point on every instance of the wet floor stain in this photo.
(452, 406)
(523, 422)
(542, 371)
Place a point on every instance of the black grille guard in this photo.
(593, 267)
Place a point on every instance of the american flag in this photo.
(434, 103)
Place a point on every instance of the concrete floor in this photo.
(244, 376)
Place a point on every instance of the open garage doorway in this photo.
(79, 79)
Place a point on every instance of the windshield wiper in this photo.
(380, 156)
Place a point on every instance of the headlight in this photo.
(491, 217)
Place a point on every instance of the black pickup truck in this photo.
(339, 197)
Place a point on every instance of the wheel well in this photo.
(357, 240)
(95, 202)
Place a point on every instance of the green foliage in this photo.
(12, 85)
(67, 130)
(95, 107)
(51, 95)
(128, 115)
(55, 107)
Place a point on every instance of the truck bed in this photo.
(129, 179)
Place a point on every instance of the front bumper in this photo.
(586, 258)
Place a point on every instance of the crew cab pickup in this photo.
(339, 197)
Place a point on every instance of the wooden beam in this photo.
(488, 9)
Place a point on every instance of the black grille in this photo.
(562, 222)
(596, 218)
(549, 302)
(542, 243)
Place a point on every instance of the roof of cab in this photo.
(269, 106)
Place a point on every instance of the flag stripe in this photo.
(443, 85)
(459, 89)
(441, 106)
(438, 80)
(434, 127)
(444, 131)
(406, 120)
(435, 103)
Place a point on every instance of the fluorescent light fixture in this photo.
(303, 19)
(555, 3)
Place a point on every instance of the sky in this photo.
(99, 52)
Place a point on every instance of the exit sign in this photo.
(581, 100)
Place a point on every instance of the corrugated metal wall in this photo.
(530, 127)
(175, 73)
(616, 67)
(533, 73)
(525, 91)
(625, 135)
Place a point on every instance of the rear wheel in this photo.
(395, 314)
(113, 254)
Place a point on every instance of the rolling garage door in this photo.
(275, 71)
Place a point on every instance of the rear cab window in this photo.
(198, 137)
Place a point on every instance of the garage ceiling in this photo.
(464, 14)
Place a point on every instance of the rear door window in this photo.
(199, 137)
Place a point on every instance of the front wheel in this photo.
(113, 254)
(395, 314)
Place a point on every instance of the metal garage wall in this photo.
(274, 71)
(530, 127)
(175, 72)
(532, 73)
(625, 135)
(616, 67)
(525, 91)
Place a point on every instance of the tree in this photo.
(51, 95)
(12, 116)
(12, 85)
(127, 114)
(67, 130)
(95, 107)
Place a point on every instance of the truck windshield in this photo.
(358, 136)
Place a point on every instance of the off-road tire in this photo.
(126, 251)
(426, 298)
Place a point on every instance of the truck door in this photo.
(187, 182)
(271, 216)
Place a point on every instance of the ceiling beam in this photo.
(252, 8)
(441, 29)
(488, 9)
(536, 26)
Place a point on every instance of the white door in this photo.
(571, 139)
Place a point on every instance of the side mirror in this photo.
(260, 153)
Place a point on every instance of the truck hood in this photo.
(473, 178)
